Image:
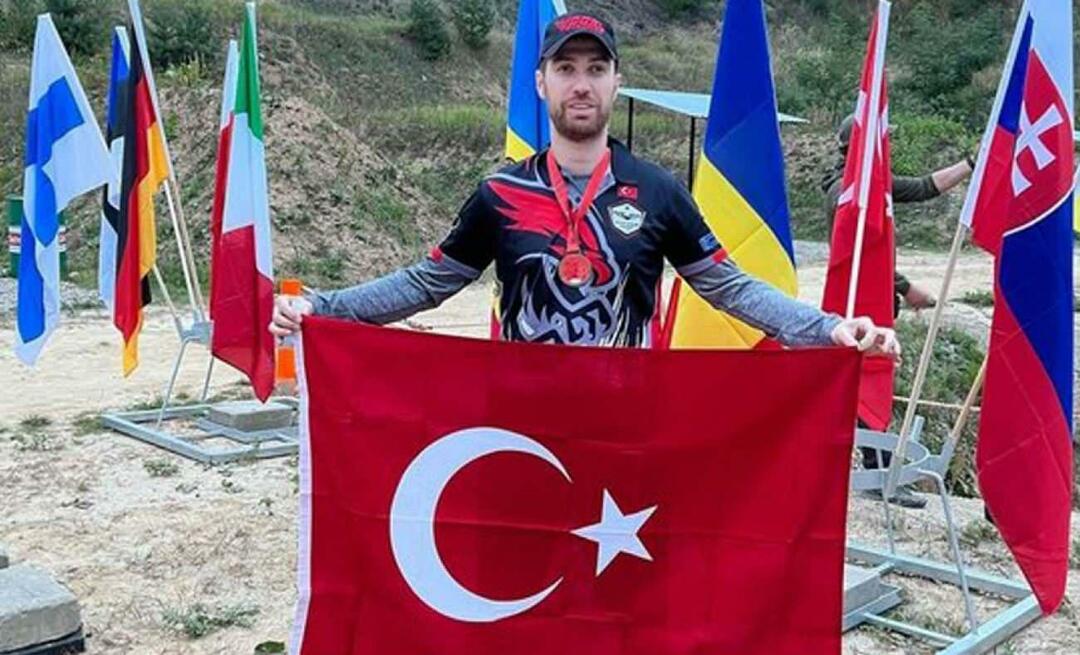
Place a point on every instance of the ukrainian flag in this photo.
(740, 180)
(527, 117)
(527, 130)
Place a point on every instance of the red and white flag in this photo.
(518, 498)
(862, 237)
(242, 286)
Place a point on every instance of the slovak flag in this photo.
(862, 252)
(1019, 208)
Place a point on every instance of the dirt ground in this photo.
(138, 534)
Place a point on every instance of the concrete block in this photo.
(251, 416)
(34, 609)
(861, 587)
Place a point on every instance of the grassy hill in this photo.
(372, 147)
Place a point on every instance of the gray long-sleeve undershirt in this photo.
(427, 284)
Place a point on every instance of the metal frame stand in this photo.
(920, 464)
(146, 425)
(262, 444)
(199, 333)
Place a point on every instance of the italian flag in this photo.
(242, 278)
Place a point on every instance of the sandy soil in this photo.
(82, 503)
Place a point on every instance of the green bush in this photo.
(81, 23)
(380, 207)
(469, 129)
(198, 620)
(427, 28)
(922, 143)
(945, 46)
(182, 31)
(17, 21)
(821, 78)
(474, 20)
(683, 7)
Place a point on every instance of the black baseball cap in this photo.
(567, 26)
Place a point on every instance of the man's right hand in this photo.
(289, 311)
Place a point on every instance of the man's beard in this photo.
(576, 131)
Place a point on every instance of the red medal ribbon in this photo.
(562, 196)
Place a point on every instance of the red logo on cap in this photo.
(572, 23)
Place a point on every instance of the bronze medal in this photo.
(575, 270)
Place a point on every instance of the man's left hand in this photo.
(861, 333)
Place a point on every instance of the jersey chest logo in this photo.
(626, 217)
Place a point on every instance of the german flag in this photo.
(145, 168)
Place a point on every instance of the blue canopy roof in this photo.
(687, 104)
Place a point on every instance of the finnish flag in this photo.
(65, 158)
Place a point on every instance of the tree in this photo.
(182, 31)
(17, 24)
(474, 20)
(81, 24)
(427, 28)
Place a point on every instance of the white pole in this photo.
(195, 308)
(182, 241)
(168, 298)
(187, 252)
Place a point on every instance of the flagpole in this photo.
(965, 222)
(186, 253)
(168, 298)
(897, 461)
(965, 411)
(182, 241)
(870, 140)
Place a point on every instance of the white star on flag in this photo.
(616, 533)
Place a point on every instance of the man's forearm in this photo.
(396, 296)
(762, 306)
(950, 176)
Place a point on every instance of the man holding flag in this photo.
(905, 189)
(65, 158)
(862, 250)
(579, 232)
(1019, 208)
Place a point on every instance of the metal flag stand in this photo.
(147, 426)
(920, 464)
(912, 462)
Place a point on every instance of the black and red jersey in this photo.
(641, 216)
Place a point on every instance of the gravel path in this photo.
(72, 297)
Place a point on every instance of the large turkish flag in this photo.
(463, 496)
